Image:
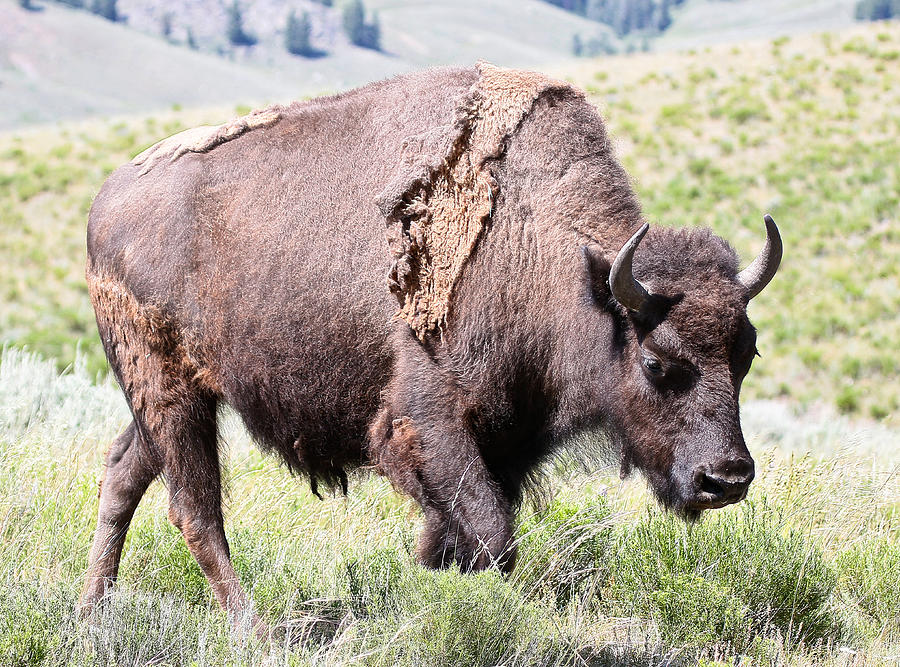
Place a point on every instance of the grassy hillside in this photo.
(705, 22)
(506, 32)
(61, 63)
(415, 33)
(805, 129)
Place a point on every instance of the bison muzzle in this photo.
(443, 276)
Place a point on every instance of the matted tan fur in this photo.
(444, 215)
(204, 138)
(155, 367)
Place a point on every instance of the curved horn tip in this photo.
(625, 289)
(762, 269)
(640, 233)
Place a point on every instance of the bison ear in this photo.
(596, 272)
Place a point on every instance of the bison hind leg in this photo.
(174, 407)
(131, 466)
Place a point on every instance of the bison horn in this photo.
(756, 276)
(624, 287)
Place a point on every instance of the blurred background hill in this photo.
(80, 58)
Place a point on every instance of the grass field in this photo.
(803, 573)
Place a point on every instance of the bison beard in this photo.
(423, 276)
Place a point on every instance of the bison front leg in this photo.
(468, 520)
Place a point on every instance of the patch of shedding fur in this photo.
(437, 211)
(148, 356)
(204, 138)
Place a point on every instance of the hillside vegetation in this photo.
(706, 22)
(60, 63)
(802, 573)
(805, 129)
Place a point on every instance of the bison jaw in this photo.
(688, 488)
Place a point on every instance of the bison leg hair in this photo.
(130, 468)
(189, 444)
(467, 518)
(175, 419)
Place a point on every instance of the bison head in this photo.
(681, 346)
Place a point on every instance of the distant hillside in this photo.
(62, 63)
(702, 22)
(65, 63)
(683, 24)
(414, 32)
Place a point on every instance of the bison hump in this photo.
(442, 196)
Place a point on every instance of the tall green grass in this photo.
(603, 576)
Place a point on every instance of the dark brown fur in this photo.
(259, 272)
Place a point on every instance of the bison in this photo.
(444, 276)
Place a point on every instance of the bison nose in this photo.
(724, 483)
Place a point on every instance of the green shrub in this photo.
(870, 571)
(563, 549)
(724, 579)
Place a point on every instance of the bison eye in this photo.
(653, 365)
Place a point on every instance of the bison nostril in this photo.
(737, 469)
(711, 485)
(724, 484)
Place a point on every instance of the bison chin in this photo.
(687, 489)
(671, 494)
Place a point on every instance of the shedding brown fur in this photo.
(435, 221)
(204, 138)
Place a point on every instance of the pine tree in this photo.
(664, 18)
(877, 10)
(165, 26)
(372, 38)
(297, 33)
(106, 8)
(354, 19)
(236, 33)
(600, 11)
(359, 32)
(577, 47)
(189, 37)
